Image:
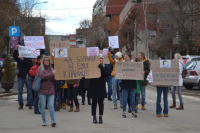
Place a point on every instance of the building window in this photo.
(72, 43)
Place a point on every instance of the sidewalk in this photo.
(14, 90)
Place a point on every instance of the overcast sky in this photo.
(63, 19)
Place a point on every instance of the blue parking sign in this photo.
(14, 31)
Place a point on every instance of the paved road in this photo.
(23, 121)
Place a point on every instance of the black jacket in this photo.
(97, 88)
(23, 65)
(110, 68)
(146, 70)
(84, 83)
(128, 84)
(57, 84)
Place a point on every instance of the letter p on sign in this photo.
(14, 31)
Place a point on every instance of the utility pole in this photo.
(146, 31)
(136, 50)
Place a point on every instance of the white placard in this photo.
(165, 63)
(28, 52)
(150, 77)
(61, 53)
(113, 41)
(92, 51)
(105, 51)
(35, 42)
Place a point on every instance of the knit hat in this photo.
(101, 56)
(119, 54)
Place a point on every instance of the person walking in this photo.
(160, 89)
(178, 88)
(46, 73)
(128, 89)
(32, 73)
(115, 82)
(97, 90)
(72, 90)
(24, 65)
(142, 58)
(109, 78)
(84, 84)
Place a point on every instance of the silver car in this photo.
(190, 58)
(193, 76)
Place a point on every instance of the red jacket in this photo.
(47, 87)
(33, 70)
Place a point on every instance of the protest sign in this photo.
(113, 41)
(13, 42)
(150, 77)
(28, 52)
(129, 70)
(35, 42)
(77, 65)
(59, 44)
(61, 53)
(163, 75)
(92, 51)
(105, 51)
(105, 60)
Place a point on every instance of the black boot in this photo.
(129, 110)
(95, 120)
(83, 103)
(20, 106)
(100, 120)
(30, 107)
(109, 98)
(89, 103)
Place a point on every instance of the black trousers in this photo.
(58, 98)
(94, 106)
(64, 95)
(73, 95)
(83, 95)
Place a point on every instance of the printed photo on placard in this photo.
(60, 53)
(165, 63)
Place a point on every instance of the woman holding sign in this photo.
(46, 73)
(178, 88)
(97, 90)
(115, 82)
(128, 89)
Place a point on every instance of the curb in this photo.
(183, 93)
(10, 94)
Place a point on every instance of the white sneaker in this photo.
(115, 106)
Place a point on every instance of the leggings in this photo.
(178, 89)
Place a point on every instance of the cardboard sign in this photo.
(113, 41)
(77, 65)
(28, 52)
(59, 44)
(105, 60)
(129, 70)
(92, 51)
(35, 42)
(165, 76)
(13, 42)
(60, 53)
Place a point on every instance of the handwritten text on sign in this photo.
(28, 52)
(35, 42)
(59, 44)
(165, 76)
(113, 41)
(77, 65)
(129, 70)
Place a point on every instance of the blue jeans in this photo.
(109, 81)
(28, 84)
(50, 100)
(115, 87)
(165, 99)
(131, 93)
(36, 100)
(143, 92)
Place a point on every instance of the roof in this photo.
(115, 7)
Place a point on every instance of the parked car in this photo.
(193, 76)
(190, 58)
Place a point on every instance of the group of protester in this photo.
(59, 93)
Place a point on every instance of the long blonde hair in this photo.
(177, 56)
(42, 63)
